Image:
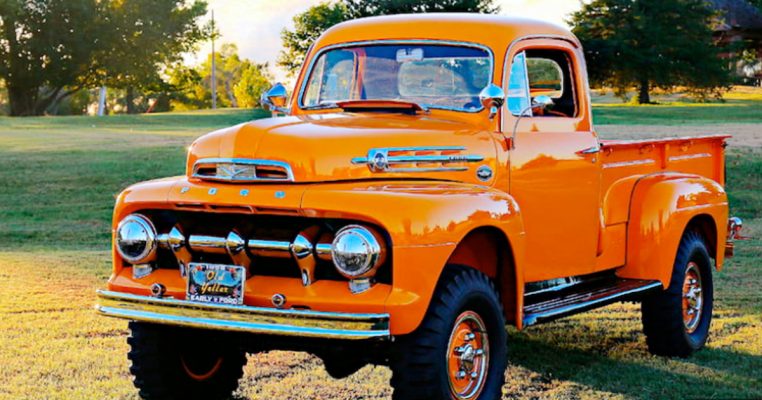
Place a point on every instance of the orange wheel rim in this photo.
(467, 356)
(693, 297)
(202, 376)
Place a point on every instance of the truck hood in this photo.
(335, 147)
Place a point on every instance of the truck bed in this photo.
(703, 156)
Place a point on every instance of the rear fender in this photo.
(661, 208)
(425, 222)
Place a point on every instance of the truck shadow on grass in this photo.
(570, 354)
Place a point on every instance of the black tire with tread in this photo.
(417, 361)
(156, 351)
(662, 313)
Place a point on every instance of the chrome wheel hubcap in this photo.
(467, 356)
(693, 297)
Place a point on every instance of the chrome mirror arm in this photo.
(516, 125)
(543, 102)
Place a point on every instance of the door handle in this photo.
(590, 150)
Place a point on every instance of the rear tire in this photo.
(676, 321)
(459, 351)
(165, 368)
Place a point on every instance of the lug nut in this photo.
(158, 290)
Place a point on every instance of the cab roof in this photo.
(494, 31)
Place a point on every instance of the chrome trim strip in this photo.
(625, 142)
(290, 322)
(379, 160)
(628, 163)
(243, 161)
(690, 156)
(431, 42)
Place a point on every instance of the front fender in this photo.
(425, 222)
(661, 207)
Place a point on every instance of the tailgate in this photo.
(703, 156)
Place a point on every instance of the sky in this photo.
(255, 25)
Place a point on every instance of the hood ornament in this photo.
(418, 159)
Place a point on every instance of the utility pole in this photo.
(214, 66)
(102, 101)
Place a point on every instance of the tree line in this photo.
(641, 44)
(53, 51)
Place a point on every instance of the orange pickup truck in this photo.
(432, 179)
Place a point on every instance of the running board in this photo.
(577, 300)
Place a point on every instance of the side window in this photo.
(518, 88)
(545, 78)
(550, 73)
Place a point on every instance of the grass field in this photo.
(59, 177)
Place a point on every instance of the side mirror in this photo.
(492, 97)
(276, 98)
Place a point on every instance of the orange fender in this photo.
(425, 222)
(661, 207)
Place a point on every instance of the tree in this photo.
(651, 44)
(149, 35)
(50, 49)
(240, 82)
(308, 26)
(255, 80)
(363, 8)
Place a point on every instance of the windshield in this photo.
(435, 76)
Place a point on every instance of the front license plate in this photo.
(216, 283)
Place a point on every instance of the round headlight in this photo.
(357, 251)
(136, 239)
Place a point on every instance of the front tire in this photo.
(459, 351)
(676, 321)
(175, 363)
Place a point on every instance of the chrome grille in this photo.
(418, 159)
(242, 170)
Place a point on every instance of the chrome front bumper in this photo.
(271, 321)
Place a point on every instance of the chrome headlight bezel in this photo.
(136, 225)
(358, 251)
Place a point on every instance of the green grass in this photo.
(741, 105)
(733, 111)
(59, 177)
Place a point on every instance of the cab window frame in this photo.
(560, 45)
(310, 68)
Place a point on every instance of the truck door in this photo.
(554, 166)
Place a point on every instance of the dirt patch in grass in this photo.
(744, 135)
